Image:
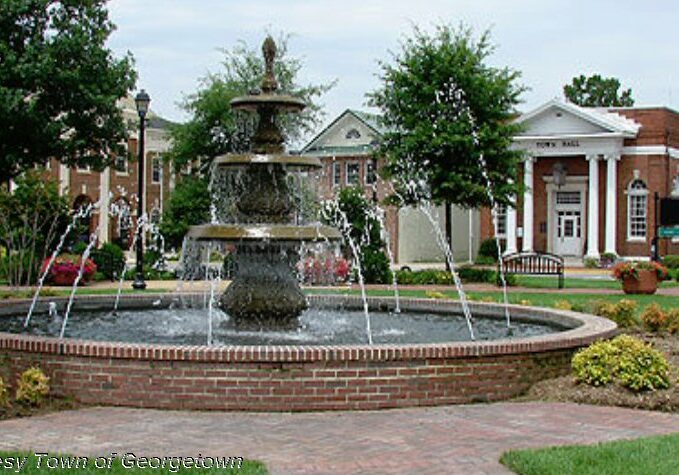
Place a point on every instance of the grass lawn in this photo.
(584, 301)
(536, 282)
(652, 455)
(248, 467)
(66, 291)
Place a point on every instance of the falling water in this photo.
(83, 260)
(81, 213)
(450, 258)
(121, 280)
(380, 216)
(345, 227)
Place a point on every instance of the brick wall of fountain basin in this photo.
(301, 378)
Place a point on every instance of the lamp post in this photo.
(142, 101)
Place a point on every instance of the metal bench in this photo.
(534, 263)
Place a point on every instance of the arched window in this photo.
(637, 210)
(353, 134)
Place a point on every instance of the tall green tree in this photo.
(597, 91)
(188, 204)
(449, 115)
(59, 85)
(215, 129)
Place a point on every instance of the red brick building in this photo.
(115, 188)
(590, 176)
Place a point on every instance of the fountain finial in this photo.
(269, 84)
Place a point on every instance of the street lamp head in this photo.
(142, 100)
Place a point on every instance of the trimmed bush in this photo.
(654, 318)
(563, 305)
(591, 263)
(4, 394)
(673, 321)
(110, 260)
(32, 387)
(621, 313)
(488, 251)
(626, 361)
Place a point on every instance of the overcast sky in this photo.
(175, 42)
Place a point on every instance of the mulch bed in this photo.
(566, 389)
(51, 404)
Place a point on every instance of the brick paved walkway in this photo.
(452, 440)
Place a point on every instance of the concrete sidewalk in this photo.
(457, 440)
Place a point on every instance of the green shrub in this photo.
(625, 360)
(591, 263)
(671, 261)
(4, 393)
(488, 250)
(375, 267)
(654, 318)
(485, 261)
(424, 277)
(621, 313)
(110, 260)
(563, 305)
(32, 387)
(473, 274)
(79, 248)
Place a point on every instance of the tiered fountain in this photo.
(141, 354)
(261, 217)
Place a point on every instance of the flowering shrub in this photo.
(624, 270)
(324, 270)
(32, 386)
(66, 267)
(626, 360)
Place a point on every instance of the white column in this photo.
(593, 207)
(611, 202)
(528, 204)
(64, 178)
(104, 204)
(511, 230)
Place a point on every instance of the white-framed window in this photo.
(120, 165)
(336, 174)
(155, 216)
(501, 220)
(353, 173)
(637, 210)
(156, 169)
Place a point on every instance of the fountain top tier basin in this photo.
(289, 161)
(279, 102)
(263, 232)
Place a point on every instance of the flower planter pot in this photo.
(647, 283)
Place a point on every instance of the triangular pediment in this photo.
(350, 131)
(559, 118)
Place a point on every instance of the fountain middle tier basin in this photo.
(263, 232)
(312, 368)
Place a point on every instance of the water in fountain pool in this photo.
(324, 326)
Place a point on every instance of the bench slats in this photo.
(534, 263)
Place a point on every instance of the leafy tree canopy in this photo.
(215, 129)
(450, 119)
(59, 84)
(188, 204)
(596, 91)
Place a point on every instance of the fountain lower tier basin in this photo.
(263, 232)
(293, 372)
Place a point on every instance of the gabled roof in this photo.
(372, 121)
(606, 119)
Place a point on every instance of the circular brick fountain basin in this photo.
(301, 378)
